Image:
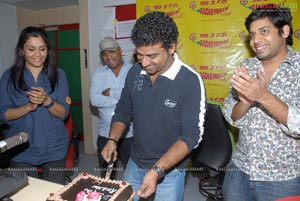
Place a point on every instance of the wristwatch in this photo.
(49, 104)
(160, 171)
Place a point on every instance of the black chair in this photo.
(213, 153)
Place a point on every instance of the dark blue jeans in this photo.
(237, 186)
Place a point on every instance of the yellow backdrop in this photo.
(212, 35)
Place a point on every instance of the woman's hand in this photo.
(37, 95)
(32, 106)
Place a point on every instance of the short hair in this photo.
(154, 27)
(279, 17)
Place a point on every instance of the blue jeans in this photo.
(237, 186)
(170, 188)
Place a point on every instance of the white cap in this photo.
(109, 44)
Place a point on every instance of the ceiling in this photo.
(40, 4)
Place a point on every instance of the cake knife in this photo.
(110, 166)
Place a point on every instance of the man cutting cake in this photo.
(166, 101)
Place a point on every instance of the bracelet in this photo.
(115, 141)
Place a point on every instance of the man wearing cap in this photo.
(106, 87)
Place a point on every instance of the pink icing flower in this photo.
(94, 196)
(80, 196)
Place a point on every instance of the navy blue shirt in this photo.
(48, 137)
(171, 109)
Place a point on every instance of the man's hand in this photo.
(249, 89)
(106, 92)
(148, 186)
(108, 149)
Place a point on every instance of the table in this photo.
(36, 190)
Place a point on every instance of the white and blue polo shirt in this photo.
(171, 109)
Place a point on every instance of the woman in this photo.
(35, 99)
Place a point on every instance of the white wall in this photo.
(8, 35)
(95, 16)
(94, 12)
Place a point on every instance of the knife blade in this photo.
(110, 166)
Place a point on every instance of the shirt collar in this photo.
(288, 59)
(290, 55)
(172, 71)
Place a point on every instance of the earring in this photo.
(22, 54)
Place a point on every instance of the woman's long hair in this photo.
(17, 70)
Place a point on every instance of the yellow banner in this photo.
(212, 35)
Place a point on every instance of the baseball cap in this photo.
(108, 43)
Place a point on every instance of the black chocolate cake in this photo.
(86, 187)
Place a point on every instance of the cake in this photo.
(86, 187)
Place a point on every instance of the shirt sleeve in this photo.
(115, 94)
(124, 108)
(193, 112)
(230, 101)
(63, 91)
(293, 126)
(5, 102)
(96, 88)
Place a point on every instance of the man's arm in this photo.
(276, 107)
(241, 107)
(239, 110)
(100, 96)
(255, 89)
(176, 153)
(115, 134)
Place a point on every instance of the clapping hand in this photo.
(249, 88)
